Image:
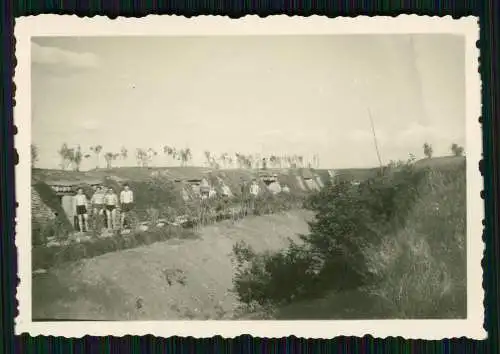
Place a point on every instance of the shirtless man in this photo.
(126, 202)
(98, 201)
(81, 204)
(111, 203)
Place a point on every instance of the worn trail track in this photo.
(172, 280)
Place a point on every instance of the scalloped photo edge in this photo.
(153, 25)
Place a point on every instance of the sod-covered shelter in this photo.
(65, 189)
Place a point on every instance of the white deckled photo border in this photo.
(55, 25)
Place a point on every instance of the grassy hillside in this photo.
(419, 269)
(158, 191)
(233, 175)
(394, 247)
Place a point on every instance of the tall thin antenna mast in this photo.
(373, 129)
(374, 137)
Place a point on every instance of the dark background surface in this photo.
(487, 10)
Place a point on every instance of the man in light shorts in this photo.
(81, 204)
(110, 203)
(126, 202)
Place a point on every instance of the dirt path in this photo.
(188, 279)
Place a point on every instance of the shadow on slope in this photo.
(171, 280)
(394, 247)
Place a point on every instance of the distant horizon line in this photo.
(240, 168)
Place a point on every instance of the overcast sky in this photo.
(269, 94)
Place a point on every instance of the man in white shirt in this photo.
(126, 201)
(81, 204)
(254, 192)
(110, 202)
(254, 189)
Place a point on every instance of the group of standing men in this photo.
(106, 203)
(249, 194)
(103, 203)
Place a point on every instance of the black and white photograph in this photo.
(250, 178)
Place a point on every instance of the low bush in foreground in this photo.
(398, 239)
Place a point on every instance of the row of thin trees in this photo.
(71, 158)
(239, 160)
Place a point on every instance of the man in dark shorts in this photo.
(81, 204)
(98, 201)
(110, 202)
(126, 202)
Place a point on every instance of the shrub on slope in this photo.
(60, 226)
(156, 193)
(420, 269)
(386, 237)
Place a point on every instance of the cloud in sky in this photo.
(90, 125)
(57, 56)
(409, 138)
(418, 133)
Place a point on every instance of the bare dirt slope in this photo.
(177, 279)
